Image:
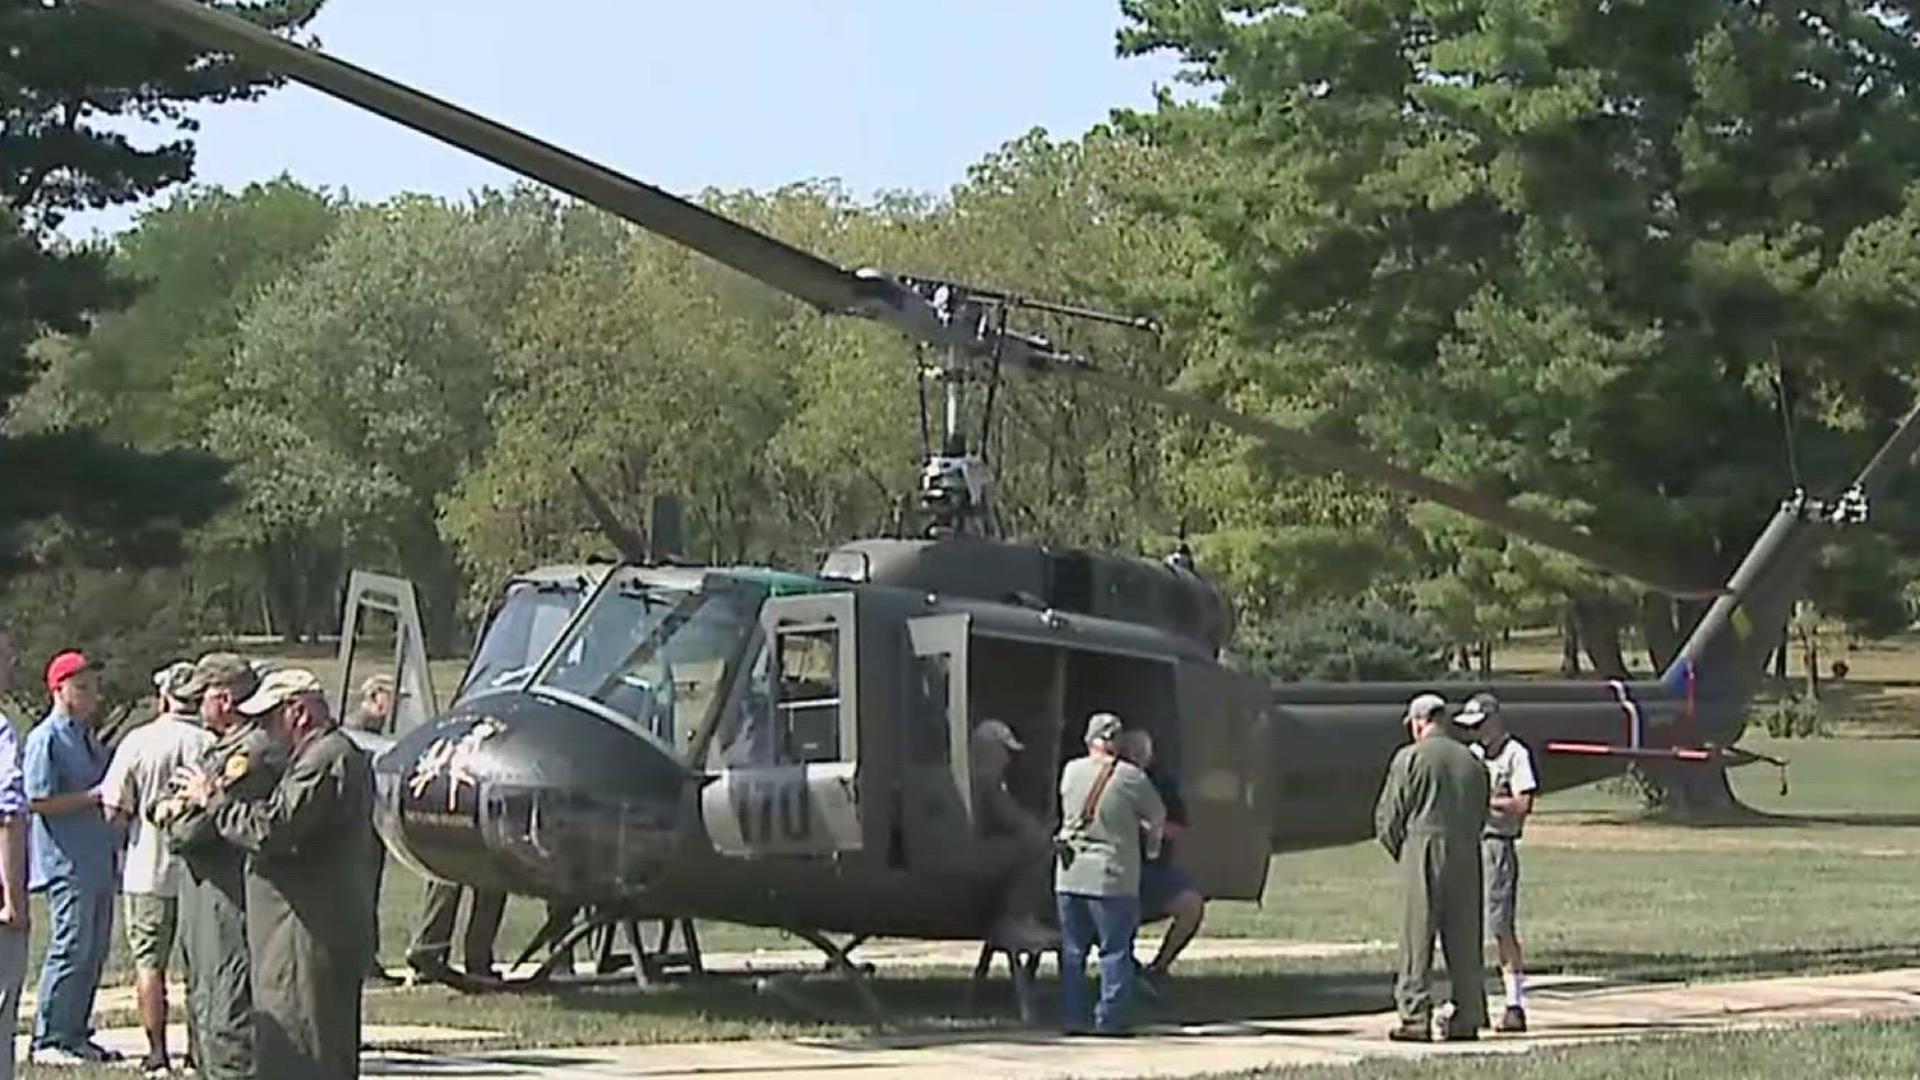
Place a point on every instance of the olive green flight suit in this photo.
(309, 908)
(1429, 818)
(245, 762)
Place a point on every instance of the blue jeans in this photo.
(76, 954)
(1112, 921)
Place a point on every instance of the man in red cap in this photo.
(72, 857)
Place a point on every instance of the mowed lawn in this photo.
(1826, 882)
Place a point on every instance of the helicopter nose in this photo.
(518, 794)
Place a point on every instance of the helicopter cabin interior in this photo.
(1045, 693)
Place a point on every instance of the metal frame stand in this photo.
(1023, 968)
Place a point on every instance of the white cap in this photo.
(1425, 705)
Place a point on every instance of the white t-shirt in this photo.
(141, 768)
(1510, 772)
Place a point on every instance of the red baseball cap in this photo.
(65, 666)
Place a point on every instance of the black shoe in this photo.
(1513, 1021)
(1468, 1034)
(1411, 1033)
(1112, 1033)
(154, 1066)
(382, 977)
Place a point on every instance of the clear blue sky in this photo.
(882, 94)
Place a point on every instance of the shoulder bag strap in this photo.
(1093, 797)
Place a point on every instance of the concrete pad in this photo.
(132, 1042)
(1563, 1012)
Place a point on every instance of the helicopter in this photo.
(650, 740)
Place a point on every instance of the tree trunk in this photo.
(1658, 627)
(1599, 624)
(428, 561)
(1693, 793)
(1569, 644)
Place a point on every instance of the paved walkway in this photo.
(1563, 1012)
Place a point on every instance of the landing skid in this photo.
(1023, 968)
(619, 944)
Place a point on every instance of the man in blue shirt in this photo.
(72, 861)
(15, 920)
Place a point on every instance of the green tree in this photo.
(355, 395)
(63, 71)
(1552, 247)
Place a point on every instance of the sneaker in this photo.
(155, 1066)
(1513, 1021)
(1411, 1033)
(57, 1056)
(100, 1055)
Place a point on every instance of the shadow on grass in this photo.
(1679, 967)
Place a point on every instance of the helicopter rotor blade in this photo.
(929, 311)
(1367, 465)
(787, 268)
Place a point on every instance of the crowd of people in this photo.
(237, 823)
(1450, 813)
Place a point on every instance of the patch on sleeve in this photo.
(236, 767)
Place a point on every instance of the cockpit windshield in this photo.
(529, 616)
(660, 658)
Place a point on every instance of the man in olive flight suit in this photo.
(309, 883)
(212, 888)
(1429, 818)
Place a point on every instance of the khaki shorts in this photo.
(150, 929)
(1500, 862)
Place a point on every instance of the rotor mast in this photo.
(954, 479)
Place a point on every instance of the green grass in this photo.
(1862, 1051)
(1824, 882)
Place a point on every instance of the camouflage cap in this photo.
(279, 688)
(1103, 727)
(376, 684)
(222, 670)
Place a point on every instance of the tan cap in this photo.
(279, 687)
(376, 684)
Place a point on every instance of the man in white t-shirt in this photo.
(142, 767)
(1512, 784)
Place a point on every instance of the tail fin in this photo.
(1721, 664)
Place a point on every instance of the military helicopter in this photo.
(653, 740)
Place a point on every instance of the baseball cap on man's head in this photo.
(1103, 727)
(1478, 708)
(1425, 705)
(173, 678)
(279, 688)
(222, 670)
(376, 684)
(65, 666)
(997, 732)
